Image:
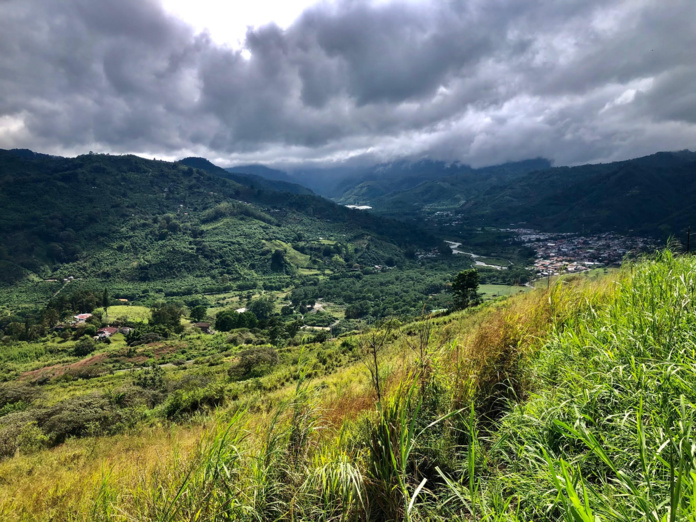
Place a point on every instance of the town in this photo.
(567, 252)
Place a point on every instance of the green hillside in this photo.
(653, 195)
(446, 183)
(247, 178)
(153, 226)
(572, 403)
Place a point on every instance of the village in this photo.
(566, 252)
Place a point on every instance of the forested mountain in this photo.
(651, 195)
(461, 184)
(137, 221)
(263, 171)
(246, 178)
(368, 185)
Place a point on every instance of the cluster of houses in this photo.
(556, 253)
(108, 331)
(79, 320)
(428, 254)
(444, 218)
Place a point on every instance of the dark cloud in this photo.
(481, 81)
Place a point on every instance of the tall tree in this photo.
(465, 289)
(105, 304)
(199, 312)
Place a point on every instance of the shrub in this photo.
(86, 372)
(85, 346)
(136, 338)
(254, 362)
(183, 402)
(31, 438)
(150, 378)
(13, 393)
(78, 417)
(11, 427)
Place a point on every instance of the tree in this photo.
(84, 347)
(278, 260)
(230, 320)
(465, 289)
(105, 303)
(261, 308)
(254, 362)
(227, 320)
(167, 315)
(198, 313)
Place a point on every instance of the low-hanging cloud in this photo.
(480, 81)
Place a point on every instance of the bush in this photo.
(78, 417)
(183, 402)
(85, 346)
(31, 438)
(319, 319)
(150, 378)
(86, 372)
(254, 362)
(11, 427)
(136, 338)
(13, 393)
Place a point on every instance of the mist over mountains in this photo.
(652, 195)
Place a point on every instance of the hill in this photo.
(145, 225)
(569, 403)
(262, 171)
(653, 195)
(456, 188)
(648, 195)
(372, 184)
(250, 179)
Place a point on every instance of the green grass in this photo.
(572, 404)
(495, 291)
(310, 272)
(140, 314)
(294, 257)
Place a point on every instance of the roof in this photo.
(109, 329)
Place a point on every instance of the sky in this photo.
(297, 83)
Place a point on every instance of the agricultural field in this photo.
(139, 314)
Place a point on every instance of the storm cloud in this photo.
(480, 81)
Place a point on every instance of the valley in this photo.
(190, 297)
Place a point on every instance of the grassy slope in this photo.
(600, 373)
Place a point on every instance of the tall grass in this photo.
(575, 403)
(608, 434)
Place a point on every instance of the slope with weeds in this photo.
(573, 403)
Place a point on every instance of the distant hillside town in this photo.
(567, 252)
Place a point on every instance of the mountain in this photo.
(369, 185)
(145, 224)
(262, 171)
(460, 185)
(389, 178)
(654, 195)
(250, 179)
(353, 185)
